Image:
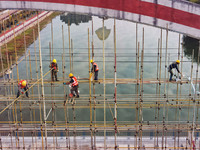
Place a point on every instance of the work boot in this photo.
(56, 78)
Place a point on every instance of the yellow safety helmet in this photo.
(71, 75)
(91, 61)
(178, 61)
(24, 83)
(54, 60)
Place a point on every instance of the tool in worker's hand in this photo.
(91, 76)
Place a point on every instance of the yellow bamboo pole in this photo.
(72, 56)
(104, 87)
(141, 92)
(90, 91)
(94, 97)
(69, 45)
(165, 85)
(25, 52)
(52, 46)
(42, 82)
(16, 58)
(115, 85)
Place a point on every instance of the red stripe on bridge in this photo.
(137, 7)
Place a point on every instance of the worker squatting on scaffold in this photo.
(171, 66)
(94, 69)
(54, 70)
(22, 85)
(74, 85)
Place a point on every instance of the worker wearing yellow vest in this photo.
(54, 70)
(74, 85)
(22, 85)
(94, 69)
(171, 66)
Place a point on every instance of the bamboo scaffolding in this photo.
(115, 66)
(69, 46)
(25, 52)
(90, 90)
(42, 85)
(94, 97)
(138, 101)
(104, 86)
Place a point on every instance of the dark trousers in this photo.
(96, 75)
(75, 89)
(18, 93)
(54, 73)
(171, 74)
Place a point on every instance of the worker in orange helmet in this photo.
(94, 69)
(171, 66)
(75, 86)
(54, 70)
(22, 85)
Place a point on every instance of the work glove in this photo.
(64, 83)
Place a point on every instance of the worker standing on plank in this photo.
(171, 66)
(54, 70)
(22, 85)
(95, 69)
(74, 85)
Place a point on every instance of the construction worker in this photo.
(171, 66)
(74, 86)
(22, 85)
(54, 70)
(95, 69)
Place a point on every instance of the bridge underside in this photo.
(177, 15)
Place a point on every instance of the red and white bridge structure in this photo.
(179, 15)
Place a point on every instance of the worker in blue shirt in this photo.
(171, 66)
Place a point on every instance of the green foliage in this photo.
(190, 44)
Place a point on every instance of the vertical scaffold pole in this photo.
(42, 82)
(194, 105)
(137, 71)
(69, 46)
(137, 93)
(136, 48)
(38, 87)
(163, 132)
(104, 87)
(158, 66)
(72, 56)
(52, 39)
(94, 88)
(25, 52)
(63, 60)
(115, 119)
(141, 92)
(16, 58)
(90, 91)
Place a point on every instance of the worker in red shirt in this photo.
(22, 85)
(54, 70)
(94, 69)
(74, 85)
